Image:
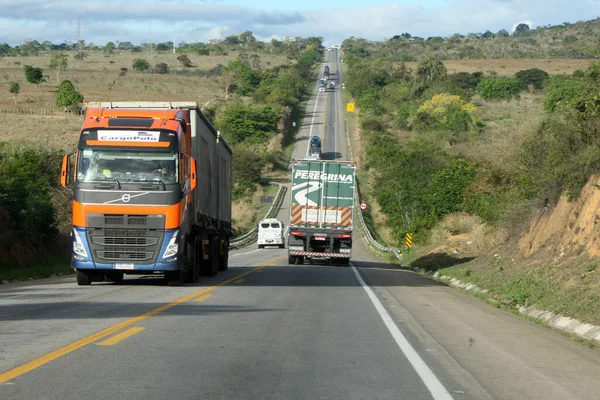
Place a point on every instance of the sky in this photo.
(156, 21)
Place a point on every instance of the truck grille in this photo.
(124, 254)
(122, 238)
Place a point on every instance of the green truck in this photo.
(321, 211)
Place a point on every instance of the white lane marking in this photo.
(242, 254)
(312, 123)
(437, 390)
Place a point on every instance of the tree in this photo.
(502, 33)
(429, 71)
(15, 88)
(247, 38)
(139, 64)
(109, 48)
(534, 76)
(247, 123)
(59, 62)
(34, 75)
(67, 96)
(487, 35)
(521, 29)
(184, 60)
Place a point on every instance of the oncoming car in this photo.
(270, 233)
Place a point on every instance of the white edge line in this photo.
(437, 390)
(241, 254)
(312, 122)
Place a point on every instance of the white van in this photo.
(270, 233)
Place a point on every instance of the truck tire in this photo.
(345, 262)
(300, 260)
(291, 260)
(174, 278)
(210, 267)
(84, 278)
(224, 258)
(114, 276)
(215, 255)
(191, 255)
(282, 246)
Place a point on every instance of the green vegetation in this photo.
(34, 75)
(578, 40)
(492, 151)
(68, 97)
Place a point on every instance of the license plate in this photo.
(320, 238)
(123, 266)
(269, 241)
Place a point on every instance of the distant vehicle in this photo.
(314, 150)
(332, 85)
(322, 84)
(270, 233)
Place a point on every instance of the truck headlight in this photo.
(173, 246)
(78, 247)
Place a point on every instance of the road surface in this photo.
(267, 330)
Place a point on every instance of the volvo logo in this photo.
(126, 197)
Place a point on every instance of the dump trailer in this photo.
(151, 186)
(321, 211)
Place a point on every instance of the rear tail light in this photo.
(345, 236)
(296, 233)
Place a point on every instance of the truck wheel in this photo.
(174, 278)
(215, 255)
(83, 278)
(291, 260)
(300, 260)
(114, 276)
(191, 275)
(282, 246)
(260, 246)
(345, 262)
(224, 258)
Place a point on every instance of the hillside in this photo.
(492, 169)
(567, 40)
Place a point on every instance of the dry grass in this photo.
(507, 125)
(510, 66)
(98, 80)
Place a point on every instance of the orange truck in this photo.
(151, 186)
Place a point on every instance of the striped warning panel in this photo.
(314, 216)
(312, 254)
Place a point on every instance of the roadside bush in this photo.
(141, 65)
(465, 80)
(532, 76)
(247, 123)
(27, 215)
(499, 88)
(246, 169)
(446, 112)
(565, 91)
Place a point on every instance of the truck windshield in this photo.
(127, 166)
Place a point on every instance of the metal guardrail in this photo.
(250, 236)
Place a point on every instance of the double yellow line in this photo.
(45, 359)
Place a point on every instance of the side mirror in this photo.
(65, 171)
(193, 173)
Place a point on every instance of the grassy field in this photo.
(510, 66)
(98, 78)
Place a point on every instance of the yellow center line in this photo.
(53, 355)
(121, 336)
(202, 298)
(239, 281)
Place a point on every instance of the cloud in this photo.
(112, 20)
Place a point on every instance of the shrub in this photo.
(447, 112)
(532, 76)
(247, 123)
(566, 91)
(246, 169)
(161, 68)
(465, 80)
(141, 65)
(34, 75)
(499, 88)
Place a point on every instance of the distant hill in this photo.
(567, 40)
